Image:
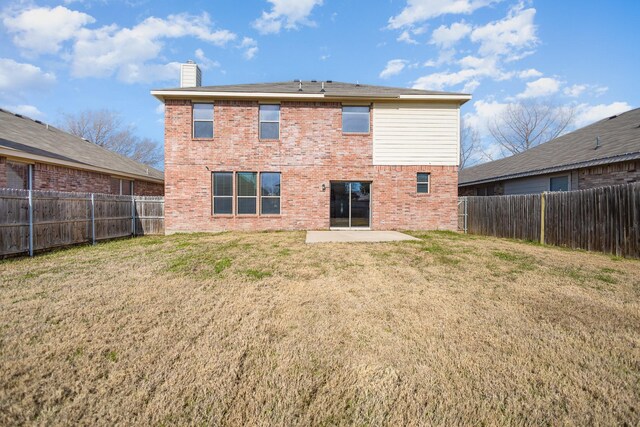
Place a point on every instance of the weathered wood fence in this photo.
(605, 219)
(31, 221)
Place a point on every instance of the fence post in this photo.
(466, 214)
(93, 220)
(133, 215)
(543, 198)
(30, 222)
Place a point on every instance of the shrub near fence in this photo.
(60, 219)
(605, 219)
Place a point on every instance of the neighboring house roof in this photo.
(32, 139)
(619, 140)
(311, 89)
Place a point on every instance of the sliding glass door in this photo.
(350, 204)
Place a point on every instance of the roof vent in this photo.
(314, 81)
(296, 80)
(38, 121)
(597, 143)
(329, 81)
(322, 90)
(613, 117)
(299, 86)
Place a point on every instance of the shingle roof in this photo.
(619, 140)
(36, 138)
(331, 88)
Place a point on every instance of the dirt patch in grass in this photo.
(261, 329)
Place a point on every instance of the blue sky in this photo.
(64, 57)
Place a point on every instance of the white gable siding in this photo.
(416, 134)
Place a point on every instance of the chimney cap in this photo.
(190, 61)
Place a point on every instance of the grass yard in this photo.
(261, 329)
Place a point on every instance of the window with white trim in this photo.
(355, 119)
(203, 121)
(423, 182)
(269, 121)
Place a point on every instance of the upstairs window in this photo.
(270, 193)
(203, 121)
(355, 119)
(222, 193)
(247, 188)
(269, 121)
(423, 182)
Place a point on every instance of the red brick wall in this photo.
(312, 151)
(59, 178)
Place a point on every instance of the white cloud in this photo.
(394, 66)
(250, 46)
(160, 109)
(473, 70)
(576, 90)
(204, 62)
(444, 36)
(405, 36)
(16, 77)
(508, 36)
(27, 110)
(42, 30)
(421, 10)
(544, 86)
(125, 52)
(587, 114)
(286, 13)
(529, 74)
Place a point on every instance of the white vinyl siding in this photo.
(415, 134)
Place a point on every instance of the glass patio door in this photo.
(350, 204)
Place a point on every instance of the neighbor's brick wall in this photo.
(3, 172)
(311, 151)
(613, 174)
(60, 178)
(145, 188)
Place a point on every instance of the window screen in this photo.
(247, 190)
(222, 192)
(269, 121)
(355, 119)
(423, 182)
(270, 193)
(18, 175)
(203, 120)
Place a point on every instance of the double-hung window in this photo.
(269, 121)
(355, 119)
(203, 121)
(222, 193)
(423, 182)
(18, 175)
(247, 190)
(270, 193)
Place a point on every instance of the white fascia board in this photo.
(34, 158)
(443, 97)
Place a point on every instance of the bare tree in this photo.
(526, 124)
(469, 145)
(105, 128)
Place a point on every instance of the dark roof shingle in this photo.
(331, 88)
(36, 138)
(619, 140)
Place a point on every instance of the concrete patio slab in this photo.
(344, 236)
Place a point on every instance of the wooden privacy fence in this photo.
(35, 220)
(605, 219)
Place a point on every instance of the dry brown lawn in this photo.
(261, 329)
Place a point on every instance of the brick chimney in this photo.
(190, 75)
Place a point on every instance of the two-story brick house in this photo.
(309, 155)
